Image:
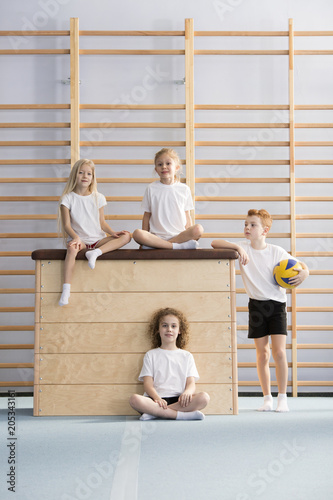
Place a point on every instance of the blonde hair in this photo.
(154, 325)
(70, 186)
(174, 156)
(265, 217)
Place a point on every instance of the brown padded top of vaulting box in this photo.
(201, 253)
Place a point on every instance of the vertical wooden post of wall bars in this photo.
(292, 204)
(189, 107)
(75, 101)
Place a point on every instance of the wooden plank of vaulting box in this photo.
(124, 337)
(113, 399)
(139, 276)
(120, 369)
(129, 307)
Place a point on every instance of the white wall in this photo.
(223, 80)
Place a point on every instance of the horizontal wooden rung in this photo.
(242, 162)
(134, 52)
(16, 365)
(243, 198)
(133, 106)
(16, 346)
(34, 143)
(314, 365)
(313, 143)
(35, 125)
(35, 33)
(35, 106)
(15, 254)
(314, 309)
(314, 198)
(252, 346)
(313, 52)
(314, 216)
(218, 107)
(34, 162)
(16, 309)
(254, 365)
(211, 52)
(313, 125)
(314, 254)
(241, 33)
(20, 383)
(16, 272)
(314, 346)
(130, 33)
(314, 162)
(17, 328)
(309, 328)
(313, 180)
(131, 143)
(321, 272)
(241, 235)
(241, 125)
(16, 290)
(244, 143)
(56, 198)
(244, 180)
(29, 235)
(112, 125)
(317, 383)
(255, 383)
(18, 52)
(234, 217)
(314, 235)
(104, 180)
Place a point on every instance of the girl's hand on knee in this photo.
(162, 403)
(76, 243)
(117, 234)
(185, 399)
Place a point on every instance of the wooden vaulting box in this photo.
(88, 354)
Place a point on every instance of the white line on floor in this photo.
(125, 480)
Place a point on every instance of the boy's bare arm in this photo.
(243, 257)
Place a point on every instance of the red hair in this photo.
(265, 218)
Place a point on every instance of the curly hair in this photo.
(265, 217)
(154, 325)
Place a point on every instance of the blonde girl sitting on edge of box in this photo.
(81, 214)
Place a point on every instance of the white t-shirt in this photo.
(84, 214)
(167, 205)
(169, 369)
(258, 273)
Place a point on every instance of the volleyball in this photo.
(285, 270)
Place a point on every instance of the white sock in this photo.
(268, 403)
(282, 405)
(190, 415)
(146, 416)
(92, 255)
(188, 245)
(66, 291)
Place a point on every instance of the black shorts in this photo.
(267, 317)
(171, 400)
